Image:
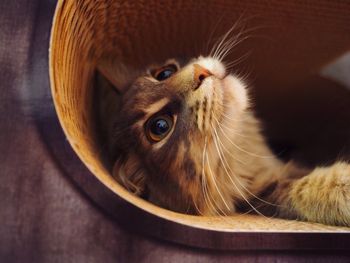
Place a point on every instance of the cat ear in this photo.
(118, 74)
(130, 175)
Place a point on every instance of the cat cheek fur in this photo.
(238, 92)
(130, 174)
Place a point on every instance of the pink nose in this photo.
(200, 74)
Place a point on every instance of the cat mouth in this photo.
(219, 95)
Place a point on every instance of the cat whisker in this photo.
(237, 178)
(230, 177)
(212, 34)
(218, 44)
(204, 182)
(235, 62)
(196, 206)
(221, 157)
(194, 199)
(223, 42)
(227, 47)
(240, 120)
(244, 75)
(223, 215)
(230, 44)
(229, 128)
(233, 42)
(243, 150)
(245, 136)
(214, 181)
(232, 130)
(188, 207)
(234, 157)
(229, 152)
(217, 210)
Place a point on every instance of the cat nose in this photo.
(200, 74)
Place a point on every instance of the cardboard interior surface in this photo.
(287, 42)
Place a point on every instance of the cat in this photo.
(185, 137)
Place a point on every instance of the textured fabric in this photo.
(43, 215)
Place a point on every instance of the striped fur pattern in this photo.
(214, 160)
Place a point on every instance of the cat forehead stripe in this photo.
(152, 108)
(157, 106)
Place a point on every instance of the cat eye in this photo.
(164, 72)
(157, 128)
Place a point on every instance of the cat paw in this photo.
(323, 196)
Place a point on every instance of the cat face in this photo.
(165, 131)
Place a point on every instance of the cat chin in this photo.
(235, 92)
(233, 87)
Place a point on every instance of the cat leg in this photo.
(322, 196)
